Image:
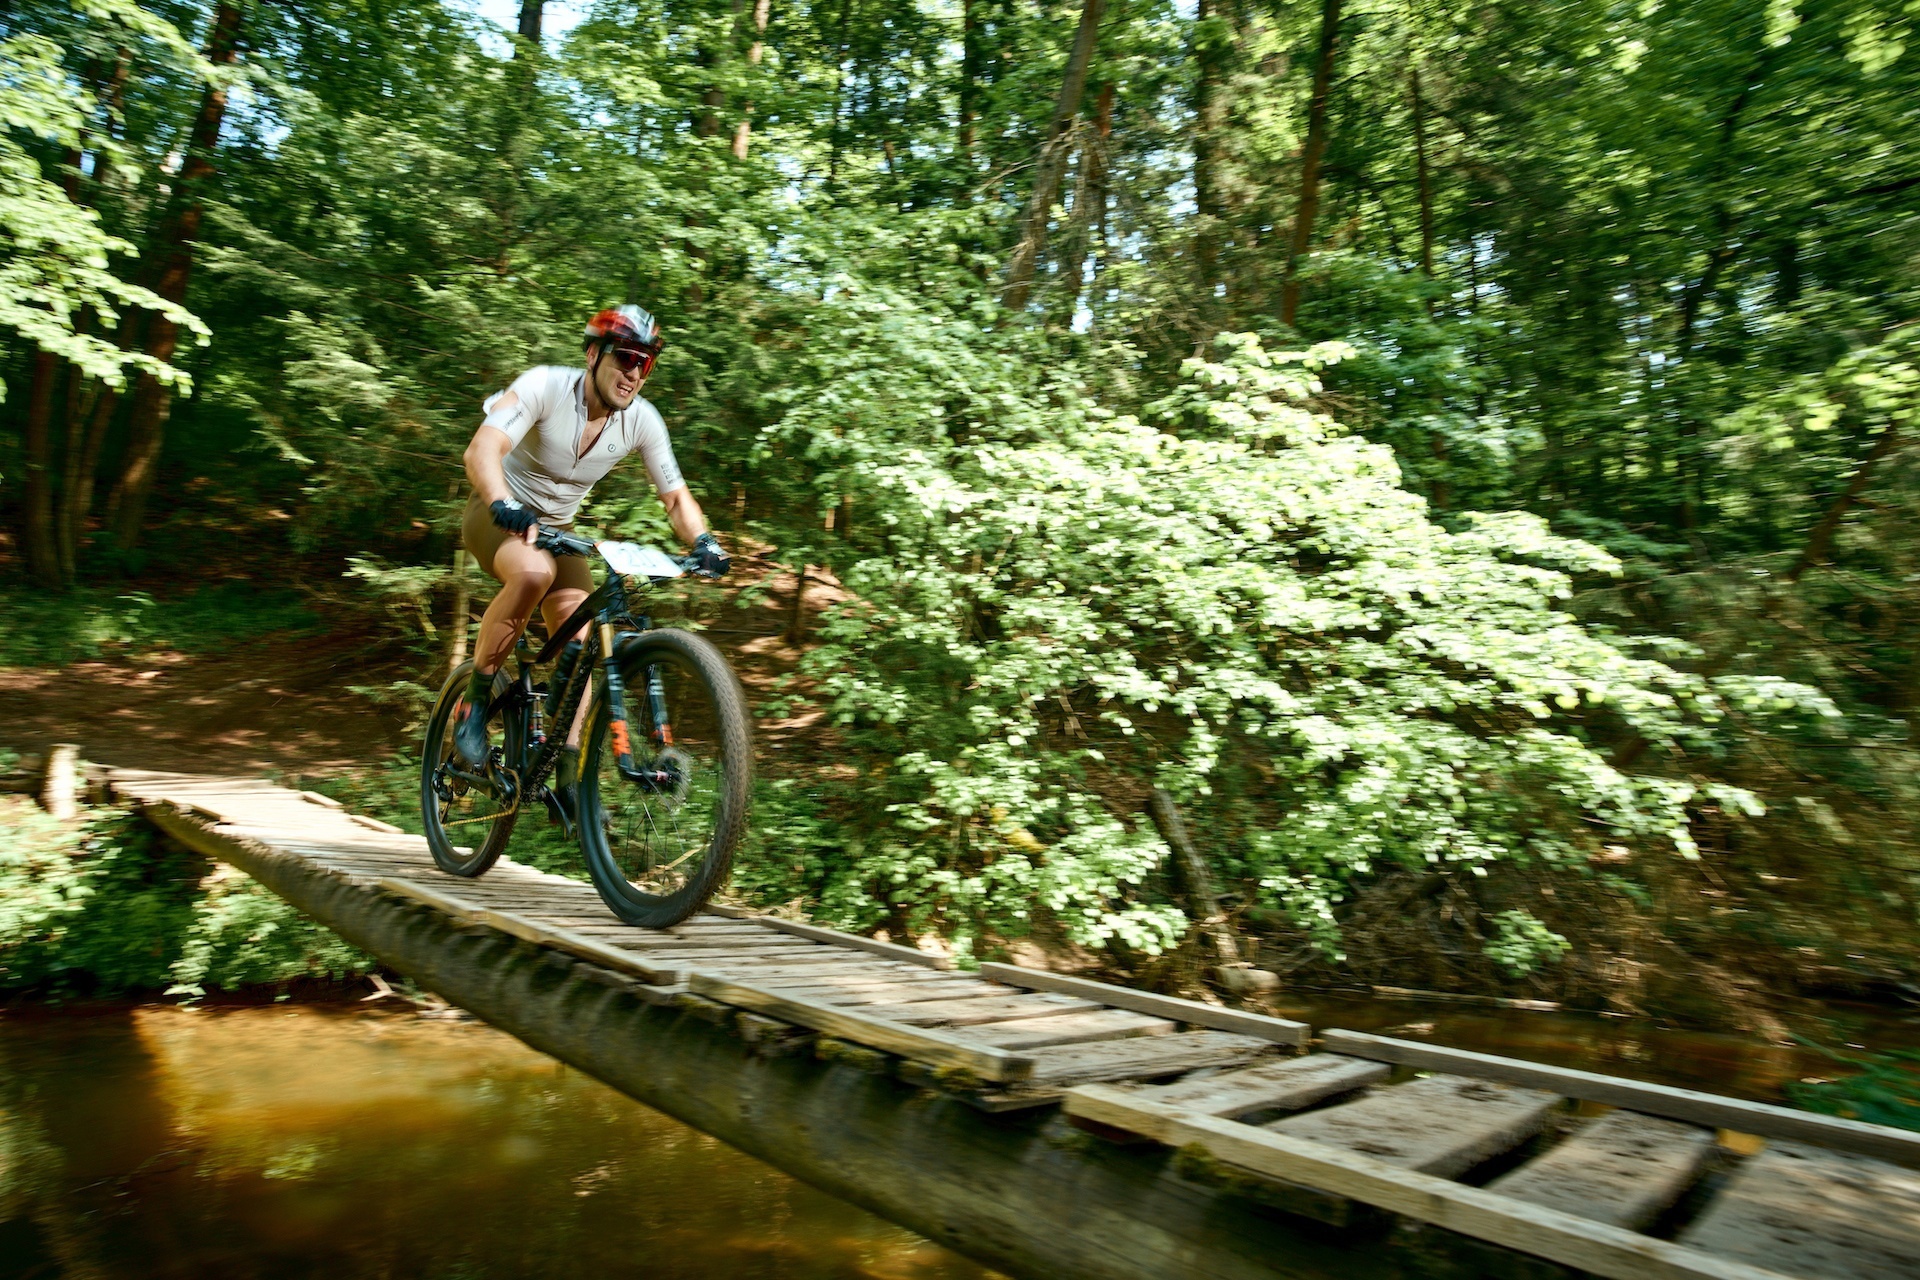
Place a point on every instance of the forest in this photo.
(1458, 457)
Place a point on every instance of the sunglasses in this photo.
(631, 358)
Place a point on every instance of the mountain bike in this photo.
(661, 804)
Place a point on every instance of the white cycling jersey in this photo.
(545, 472)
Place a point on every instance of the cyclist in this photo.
(544, 443)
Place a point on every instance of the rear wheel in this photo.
(658, 848)
(467, 822)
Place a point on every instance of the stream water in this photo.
(361, 1143)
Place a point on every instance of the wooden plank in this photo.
(891, 950)
(886, 991)
(763, 946)
(1485, 1215)
(1442, 1125)
(934, 1047)
(1143, 1057)
(1823, 1215)
(1192, 1012)
(788, 976)
(1068, 1028)
(1897, 1145)
(1272, 1086)
(325, 802)
(1624, 1169)
(520, 927)
(972, 1010)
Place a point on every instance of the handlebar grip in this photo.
(562, 544)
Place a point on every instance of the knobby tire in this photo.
(722, 769)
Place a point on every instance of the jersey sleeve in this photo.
(656, 450)
(532, 390)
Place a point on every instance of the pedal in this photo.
(557, 813)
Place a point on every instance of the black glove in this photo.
(712, 558)
(512, 517)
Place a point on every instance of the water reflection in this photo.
(1743, 1066)
(290, 1142)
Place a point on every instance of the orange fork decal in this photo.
(621, 747)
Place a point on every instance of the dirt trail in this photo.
(275, 703)
(280, 704)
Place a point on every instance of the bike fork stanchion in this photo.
(657, 707)
(616, 703)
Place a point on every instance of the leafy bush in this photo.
(52, 632)
(1055, 607)
(1885, 1090)
(107, 905)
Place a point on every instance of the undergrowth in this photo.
(106, 905)
(52, 631)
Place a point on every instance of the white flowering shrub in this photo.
(1055, 607)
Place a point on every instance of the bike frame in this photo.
(597, 615)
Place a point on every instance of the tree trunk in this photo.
(1820, 541)
(531, 13)
(969, 82)
(1052, 163)
(153, 401)
(1209, 111)
(1310, 157)
(743, 132)
(1424, 177)
(37, 532)
(462, 603)
(839, 98)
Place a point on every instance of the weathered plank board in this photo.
(1067, 1028)
(891, 950)
(919, 1044)
(520, 927)
(1192, 1012)
(1443, 1125)
(1822, 1215)
(1143, 1057)
(1624, 1169)
(972, 1010)
(1485, 1215)
(1272, 1086)
(886, 991)
(1899, 1146)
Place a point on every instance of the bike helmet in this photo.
(626, 325)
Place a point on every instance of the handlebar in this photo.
(561, 543)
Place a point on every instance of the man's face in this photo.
(617, 386)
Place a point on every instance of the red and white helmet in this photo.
(626, 325)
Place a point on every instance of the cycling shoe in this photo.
(470, 736)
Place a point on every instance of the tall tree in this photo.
(175, 241)
(1055, 149)
(1311, 156)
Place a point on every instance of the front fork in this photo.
(617, 731)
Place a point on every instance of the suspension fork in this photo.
(616, 702)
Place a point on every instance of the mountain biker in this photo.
(544, 443)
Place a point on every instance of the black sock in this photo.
(480, 691)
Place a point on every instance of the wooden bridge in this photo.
(1052, 1126)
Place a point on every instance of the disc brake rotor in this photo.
(678, 767)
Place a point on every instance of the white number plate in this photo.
(631, 560)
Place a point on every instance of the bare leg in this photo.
(525, 575)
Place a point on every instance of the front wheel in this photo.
(467, 821)
(658, 848)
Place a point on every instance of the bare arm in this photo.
(485, 460)
(684, 513)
